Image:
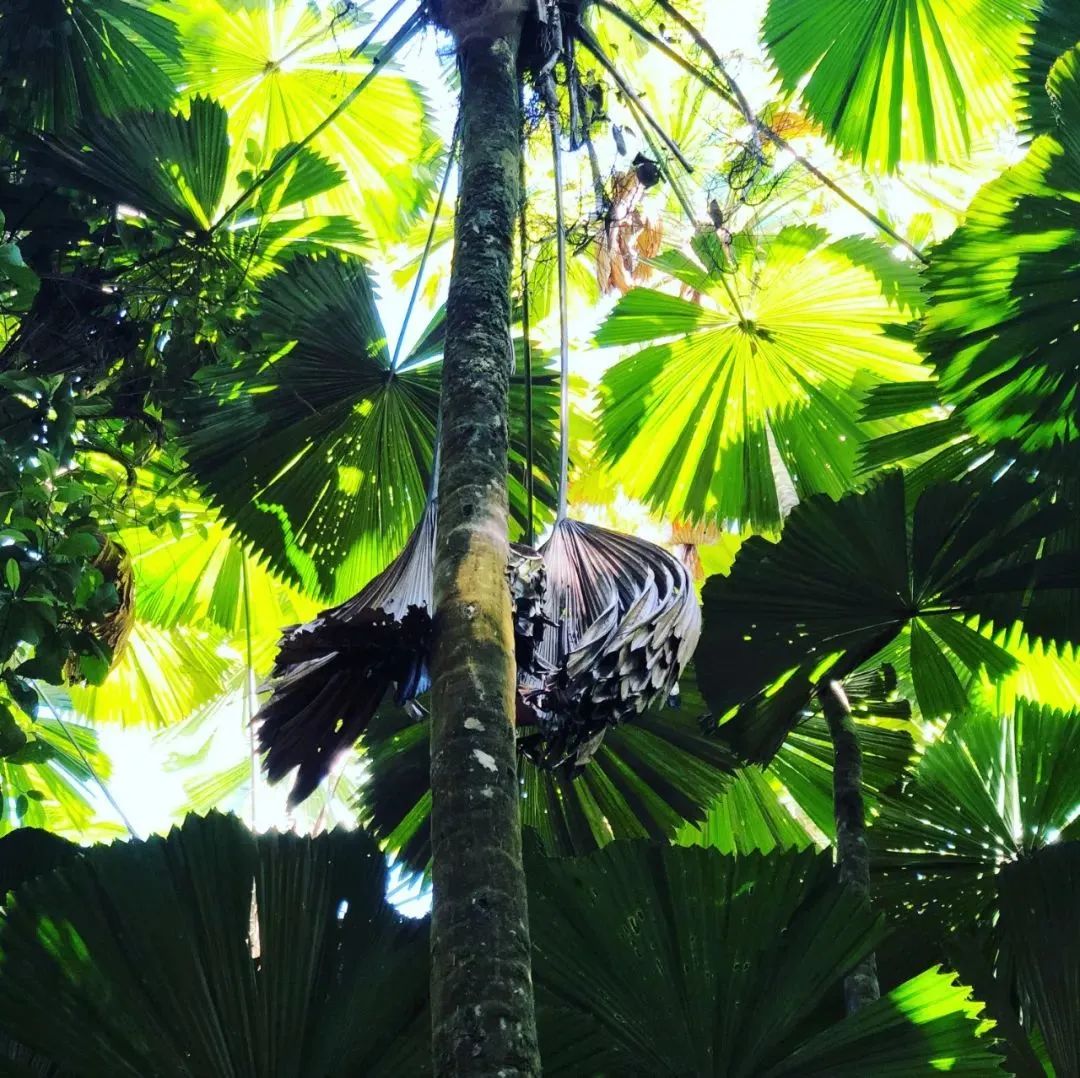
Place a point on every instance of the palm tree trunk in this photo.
(853, 857)
(481, 981)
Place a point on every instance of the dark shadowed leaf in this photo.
(64, 60)
(1002, 326)
(1054, 30)
(848, 578)
(143, 958)
(646, 780)
(992, 790)
(1041, 929)
(321, 455)
(695, 963)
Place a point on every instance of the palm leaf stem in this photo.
(381, 60)
(594, 47)
(90, 767)
(427, 246)
(691, 218)
(734, 95)
(249, 683)
(853, 857)
(564, 327)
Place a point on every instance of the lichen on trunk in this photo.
(481, 984)
(852, 855)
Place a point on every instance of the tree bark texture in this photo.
(853, 856)
(481, 981)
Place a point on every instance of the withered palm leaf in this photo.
(331, 674)
(622, 621)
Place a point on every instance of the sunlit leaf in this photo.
(693, 425)
(896, 81)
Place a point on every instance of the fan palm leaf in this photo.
(985, 837)
(696, 963)
(215, 951)
(991, 791)
(163, 676)
(279, 68)
(66, 60)
(47, 783)
(849, 578)
(1054, 30)
(320, 457)
(894, 81)
(176, 168)
(1001, 323)
(647, 779)
(692, 424)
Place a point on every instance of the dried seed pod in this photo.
(623, 621)
(332, 673)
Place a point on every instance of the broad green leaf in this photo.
(709, 422)
(66, 60)
(1054, 29)
(59, 764)
(321, 457)
(161, 678)
(1040, 928)
(647, 780)
(280, 68)
(215, 951)
(691, 962)
(1002, 323)
(926, 1025)
(849, 578)
(991, 791)
(750, 815)
(204, 577)
(175, 167)
(894, 81)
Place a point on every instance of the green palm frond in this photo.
(647, 779)
(280, 68)
(848, 579)
(992, 790)
(176, 168)
(321, 457)
(1040, 929)
(986, 839)
(62, 61)
(163, 676)
(1054, 30)
(204, 577)
(936, 445)
(708, 421)
(215, 951)
(894, 81)
(749, 815)
(691, 962)
(48, 783)
(1001, 325)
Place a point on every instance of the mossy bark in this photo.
(481, 982)
(853, 856)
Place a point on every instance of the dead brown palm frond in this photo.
(628, 237)
(332, 673)
(112, 629)
(622, 621)
(687, 536)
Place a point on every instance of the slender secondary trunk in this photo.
(853, 856)
(481, 981)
